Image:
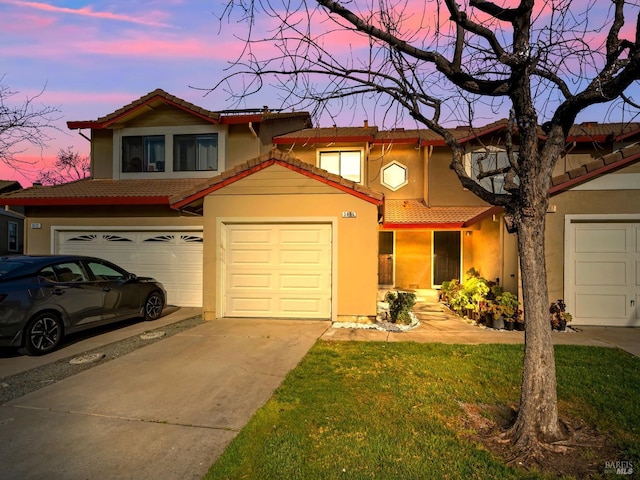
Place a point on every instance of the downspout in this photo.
(255, 135)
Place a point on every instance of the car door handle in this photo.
(58, 291)
(106, 289)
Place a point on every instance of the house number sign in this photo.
(349, 215)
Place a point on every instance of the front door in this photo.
(385, 259)
(446, 256)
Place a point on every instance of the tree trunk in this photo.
(537, 421)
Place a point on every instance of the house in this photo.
(432, 229)
(257, 214)
(11, 223)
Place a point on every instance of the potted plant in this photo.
(559, 316)
(519, 326)
(509, 307)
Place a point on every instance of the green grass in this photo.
(392, 411)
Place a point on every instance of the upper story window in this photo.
(143, 153)
(394, 176)
(161, 152)
(346, 163)
(195, 152)
(489, 168)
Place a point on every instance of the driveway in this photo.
(165, 411)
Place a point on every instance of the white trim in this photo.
(168, 132)
(222, 222)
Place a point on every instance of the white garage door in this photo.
(172, 257)
(277, 270)
(603, 277)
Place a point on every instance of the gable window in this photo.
(195, 152)
(143, 153)
(12, 240)
(489, 168)
(346, 163)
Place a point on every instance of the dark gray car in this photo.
(44, 298)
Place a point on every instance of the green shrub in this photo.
(400, 305)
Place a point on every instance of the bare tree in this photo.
(21, 124)
(540, 62)
(69, 166)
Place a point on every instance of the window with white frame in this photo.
(394, 176)
(12, 240)
(489, 168)
(143, 153)
(195, 152)
(346, 163)
(151, 152)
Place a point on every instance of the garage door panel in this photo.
(249, 257)
(601, 240)
(602, 274)
(596, 305)
(246, 281)
(278, 270)
(304, 282)
(307, 257)
(311, 236)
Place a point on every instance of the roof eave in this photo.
(84, 201)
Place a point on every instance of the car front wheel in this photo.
(43, 334)
(153, 306)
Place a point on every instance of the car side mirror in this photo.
(132, 277)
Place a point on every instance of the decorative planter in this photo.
(509, 325)
(488, 321)
(519, 326)
(498, 323)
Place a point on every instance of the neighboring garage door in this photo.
(277, 270)
(172, 257)
(603, 275)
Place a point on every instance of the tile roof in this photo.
(160, 96)
(192, 199)
(595, 168)
(414, 213)
(327, 135)
(101, 192)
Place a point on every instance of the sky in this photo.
(92, 59)
(89, 59)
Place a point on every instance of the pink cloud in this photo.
(146, 19)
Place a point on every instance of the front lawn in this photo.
(361, 410)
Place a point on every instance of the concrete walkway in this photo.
(438, 324)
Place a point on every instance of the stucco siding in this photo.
(445, 188)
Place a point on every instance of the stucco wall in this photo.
(356, 249)
(445, 188)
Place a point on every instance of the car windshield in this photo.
(9, 266)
